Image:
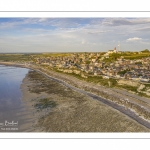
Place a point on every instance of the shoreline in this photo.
(121, 108)
(28, 98)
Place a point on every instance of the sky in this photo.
(20, 35)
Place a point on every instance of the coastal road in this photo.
(146, 100)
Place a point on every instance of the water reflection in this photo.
(10, 93)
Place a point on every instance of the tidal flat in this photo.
(61, 109)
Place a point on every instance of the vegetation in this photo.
(145, 51)
(45, 103)
(93, 79)
(108, 60)
(143, 94)
(112, 57)
(15, 57)
(138, 63)
(137, 56)
(55, 54)
(129, 88)
(128, 55)
(88, 62)
(116, 55)
(111, 83)
(123, 72)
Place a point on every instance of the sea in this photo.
(12, 109)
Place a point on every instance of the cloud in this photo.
(43, 19)
(147, 29)
(125, 21)
(96, 32)
(49, 34)
(134, 39)
(83, 42)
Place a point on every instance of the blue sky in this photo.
(73, 34)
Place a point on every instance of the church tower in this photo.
(115, 51)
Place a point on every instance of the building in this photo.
(112, 51)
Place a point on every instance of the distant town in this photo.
(111, 64)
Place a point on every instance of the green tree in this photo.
(145, 51)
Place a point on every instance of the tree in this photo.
(145, 51)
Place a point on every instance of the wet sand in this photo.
(27, 98)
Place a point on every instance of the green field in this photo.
(14, 57)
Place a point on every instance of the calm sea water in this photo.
(12, 107)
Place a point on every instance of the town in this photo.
(122, 77)
(111, 64)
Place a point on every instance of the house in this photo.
(105, 77)
(145, 79)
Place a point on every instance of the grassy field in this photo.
(15, 57)
(137, 56)
(53, 54)
(126, 55)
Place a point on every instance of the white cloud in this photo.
(83, 42)
(43, 19)
(134, 39)
(125, 21)
(147, 29)
(96, 32)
